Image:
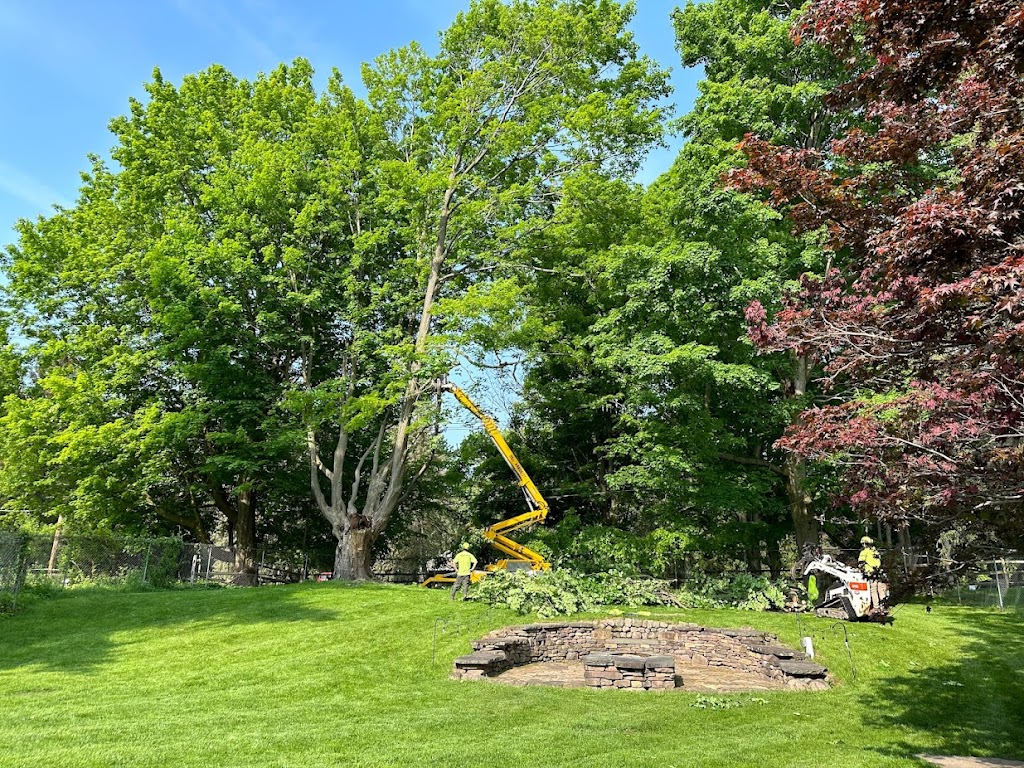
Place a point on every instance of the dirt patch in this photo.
(950, 761)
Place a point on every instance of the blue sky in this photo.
(68, 66)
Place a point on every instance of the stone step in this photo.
(741, 632)
(501, 643)
(481, 660)
(629, 661)
(801, 668)
(778, 651)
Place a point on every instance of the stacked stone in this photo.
(744, 649)
(646, 673)
(551, 641)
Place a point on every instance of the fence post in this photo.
(51, 566)
(999, 585)
(209, 561)
(145, 563)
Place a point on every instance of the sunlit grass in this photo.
(332, 675)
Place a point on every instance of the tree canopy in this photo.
(918, 324)
(236, 331)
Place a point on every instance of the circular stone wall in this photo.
(705, 658)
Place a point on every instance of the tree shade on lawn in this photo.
(335, 674)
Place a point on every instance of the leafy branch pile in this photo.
(563, 592)
(741, 590)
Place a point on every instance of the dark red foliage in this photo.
(920, 337)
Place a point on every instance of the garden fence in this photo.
(997, 583)
(69, 560)
(13, 548)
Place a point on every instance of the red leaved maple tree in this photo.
(918, 329)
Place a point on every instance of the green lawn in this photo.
(335, 675)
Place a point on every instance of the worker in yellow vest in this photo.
(870, 563)
(464, 565)
(869, 560)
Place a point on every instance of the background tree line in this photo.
(236, 329)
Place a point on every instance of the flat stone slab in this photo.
(481, 659)
(802, 668)
(501, 642)
(628, 661)
(660, 662)
(778, 651)
(740, 632)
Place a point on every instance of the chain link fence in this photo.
(990, 584)
(64, 561)
(13, 551)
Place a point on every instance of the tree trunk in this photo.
(245, 540)
(356, 531)
(774, 558)
(241, 518)
(801, 507)
(354, 553)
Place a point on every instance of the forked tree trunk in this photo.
(358, 517)
(353, 555)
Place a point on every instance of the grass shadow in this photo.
(78, 630)
(972, 704)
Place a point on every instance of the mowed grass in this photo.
(338, 675)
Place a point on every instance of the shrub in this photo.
(602, 549)
(8, 601)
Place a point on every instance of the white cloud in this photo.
(27, 189)
(216, 17)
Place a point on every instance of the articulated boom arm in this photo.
(843, 572)
(536, 502)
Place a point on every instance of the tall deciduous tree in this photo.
(482, 137)
(921, 329)
(170, 309)
(647, 380)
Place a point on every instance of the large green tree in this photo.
(481, 136)
(648, 376)
(268, 272)
(169, 310)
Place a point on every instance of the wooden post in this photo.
(52, 565)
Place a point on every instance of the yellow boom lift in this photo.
(519, 557)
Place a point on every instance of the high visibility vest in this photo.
(869, 560)
(464, 563)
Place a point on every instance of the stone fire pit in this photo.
(616, 653)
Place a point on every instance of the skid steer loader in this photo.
(839, 591)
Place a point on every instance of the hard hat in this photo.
(465, 545)
(867, 540)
